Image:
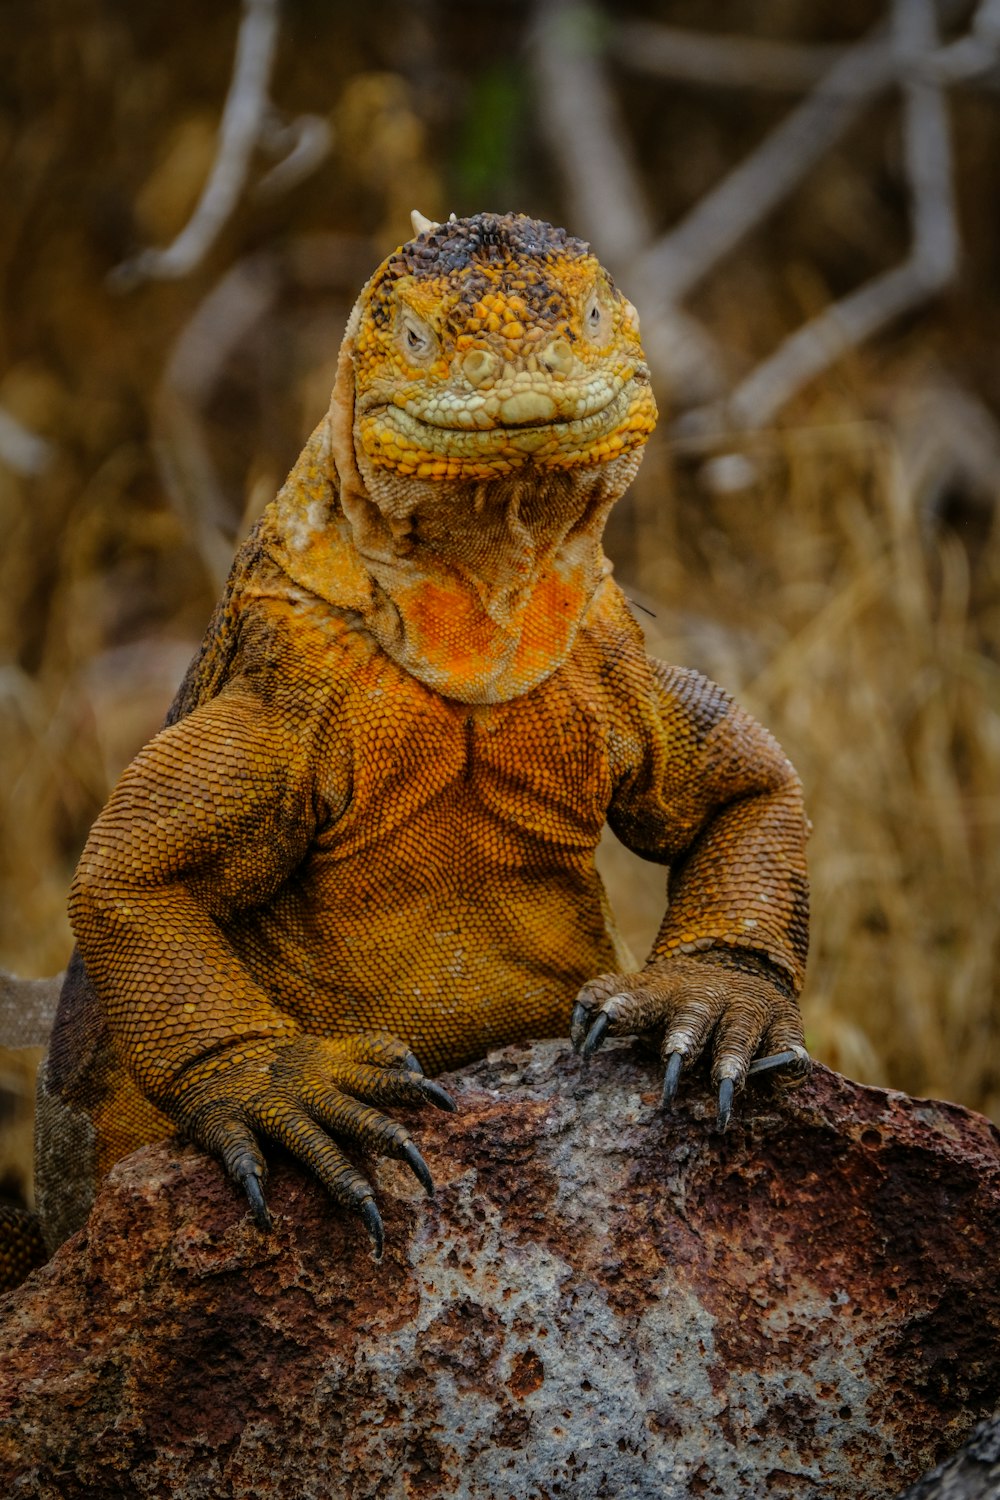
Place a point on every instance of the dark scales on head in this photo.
(520, 253)
(489, 239)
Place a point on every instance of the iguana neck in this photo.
(476, 588)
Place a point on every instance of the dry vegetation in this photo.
(841, 571)
(815, 593)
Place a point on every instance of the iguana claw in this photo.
(258, 1203)
(716, 1003)
(418, 1166)
(778, 1060)
(578, 1025)
(671, 1078)
(595, 1036)
(726, 1089)
(373, 1223)
(435, 1094)
(313, 1096)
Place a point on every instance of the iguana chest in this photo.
(525, 783)
(449, 892)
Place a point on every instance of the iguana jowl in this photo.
(367, 832)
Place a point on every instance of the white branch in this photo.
(224, 320)
(721, 61)
(220, 323)
(728, 61)
(930, 266)
(302, 145)
(242, 122)
(580, 117)
(720, 220)
(976, 52)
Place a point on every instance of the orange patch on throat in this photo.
(464, 650)
(550, 621)
(447, 627)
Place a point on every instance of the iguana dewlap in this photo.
(367, 832)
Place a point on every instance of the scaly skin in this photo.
(368, 829)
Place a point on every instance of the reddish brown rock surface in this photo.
(600, 1302)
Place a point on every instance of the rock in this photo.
(973, 1473)
(600, 1301)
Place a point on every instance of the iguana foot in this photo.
(307, 1095)
(733, 1002)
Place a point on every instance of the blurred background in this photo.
(801, 198)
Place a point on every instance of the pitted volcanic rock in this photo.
(601, 1300)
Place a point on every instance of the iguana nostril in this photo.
(478, 366)
(557, 357)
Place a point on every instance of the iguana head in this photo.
(490, 406)
(487, 343)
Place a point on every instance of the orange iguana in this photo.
(367, 832)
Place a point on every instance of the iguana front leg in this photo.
(713, 795)
(308, 1095)
(208, 822)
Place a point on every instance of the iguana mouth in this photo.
(523, 402)
(430, 445)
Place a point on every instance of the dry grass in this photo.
(822, 593)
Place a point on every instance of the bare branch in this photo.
(721, 219)
(927, 151)
(302, 144)
(932, 262)
(729, 61)
(721, 61)
(976, 52)
(21, 450)
(222, 320)
(242, 122)
(948, 442)
(580, 117)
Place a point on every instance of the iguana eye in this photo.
(595, 318)
(417, 336)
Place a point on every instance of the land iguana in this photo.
(366, 833)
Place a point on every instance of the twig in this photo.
(672, 267)
(222, 320)
(243, 120)
(949, 444)
(302, 144)
(584, 129)
(721, 61)
(22, 451)
(581, 119)
(973, 54)
(930, 266)
(730, 61)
